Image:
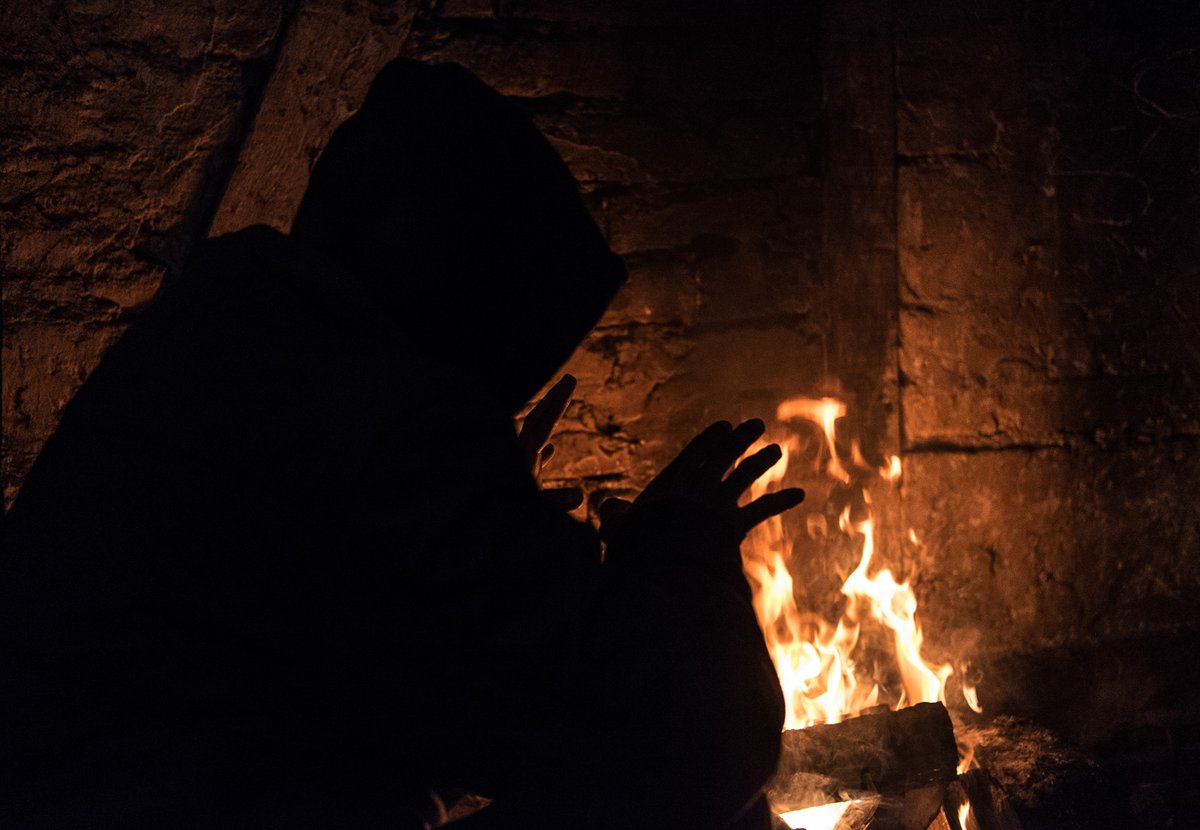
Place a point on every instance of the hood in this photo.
(462, 222)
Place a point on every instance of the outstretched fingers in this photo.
(727, 452)
(772, 504)
(751, 469)
(690, 459)
(698, 474)
(540, 421)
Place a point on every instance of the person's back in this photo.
(283, 563)
(182, 549)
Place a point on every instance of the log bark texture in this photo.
(890, 753)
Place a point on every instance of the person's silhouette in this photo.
(284, 564)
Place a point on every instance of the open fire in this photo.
(826, 666)
(816, 659)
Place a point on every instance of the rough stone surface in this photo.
(333, 51)
(119, 118)
(1045, 275)
(693, 137)
(1028, 549)
(976, 222)
(1049, 372)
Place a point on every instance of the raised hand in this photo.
(697, 475)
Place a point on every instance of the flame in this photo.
(823, 817)
(964, 814)
(814, 657)
(895, 605)
(971, 696)
(891, 472)
(824, 412)
(966, 756)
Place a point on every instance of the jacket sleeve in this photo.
(692, 704)
(634, 693)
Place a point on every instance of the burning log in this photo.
(839, 815)
(891, 753)
(976, 803)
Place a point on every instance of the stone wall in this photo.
(1047, 196)
(974, 222)
(122, 121)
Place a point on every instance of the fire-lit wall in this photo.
(975, 222)
(1049, 247)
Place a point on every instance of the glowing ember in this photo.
(824, 817)
(815, 658)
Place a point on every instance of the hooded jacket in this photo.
(283, 565)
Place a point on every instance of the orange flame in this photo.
(822, 817)
(824, 412)
(813, 657)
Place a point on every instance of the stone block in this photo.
(645, 390)
(469, 9)
(963, 92)
(736, 59)
(717, 142)
(1020, 378)
(1027, 549)
(973, 233)
(333, 52)
(654, 219)
(684, 13)
(585, 65)
(1009, 378)
(662, 291)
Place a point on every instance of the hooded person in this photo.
(284, 564)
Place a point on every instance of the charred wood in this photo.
(890, 753)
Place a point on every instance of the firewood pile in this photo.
(885, 771)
